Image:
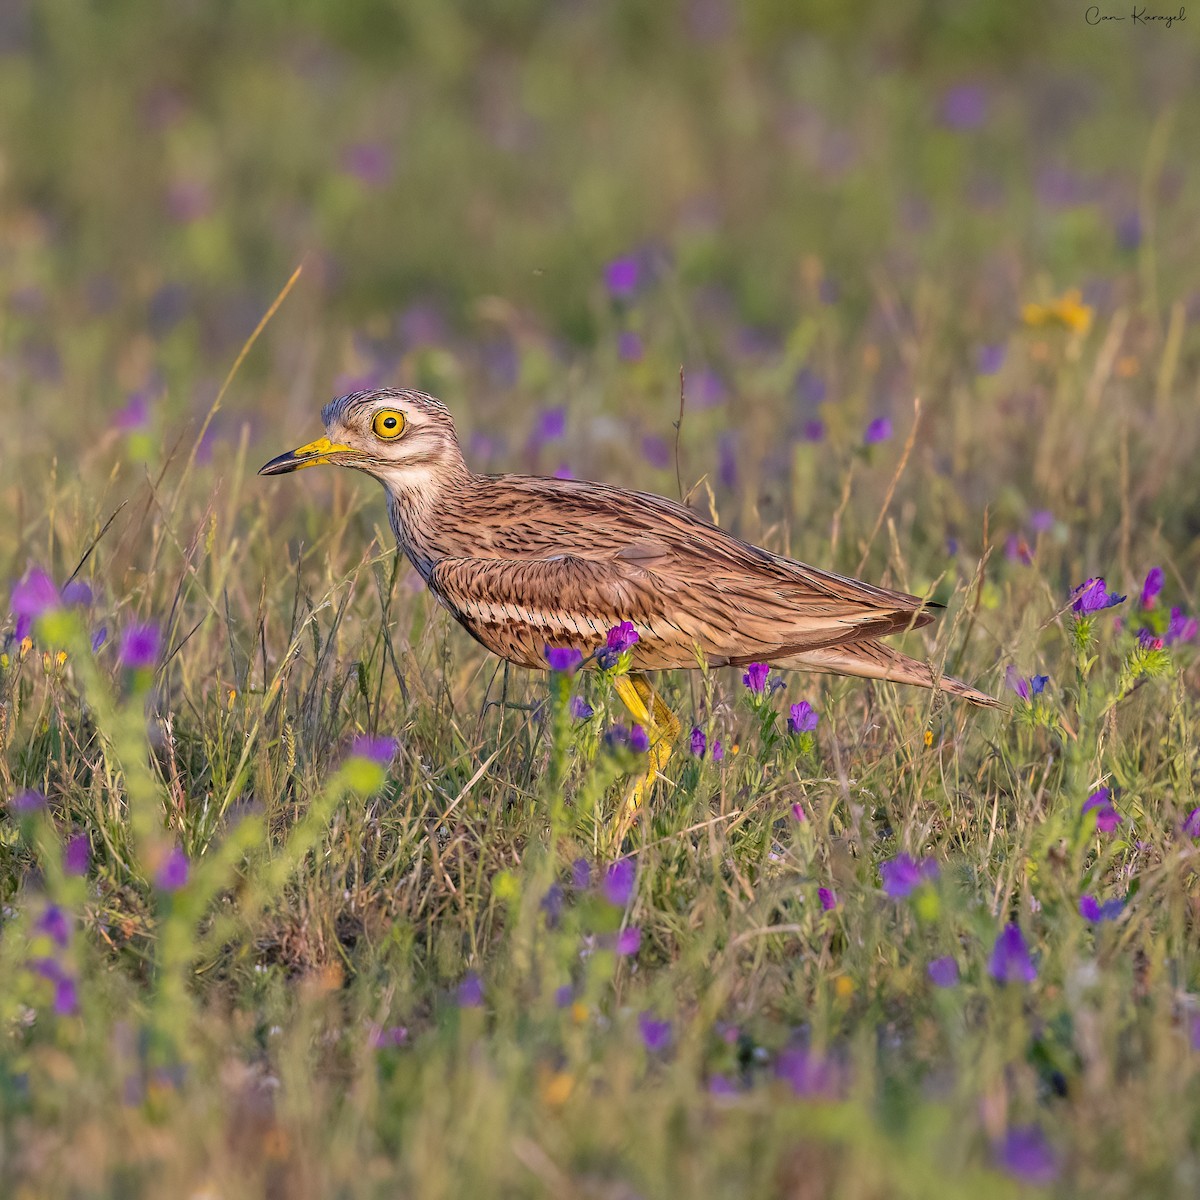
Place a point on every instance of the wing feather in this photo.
(516, 606)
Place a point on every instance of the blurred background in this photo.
(541, 211)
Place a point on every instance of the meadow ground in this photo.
(304, 896)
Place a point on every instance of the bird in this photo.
(527, 563)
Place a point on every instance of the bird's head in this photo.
(405, 439)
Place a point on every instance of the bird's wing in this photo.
(678, 604)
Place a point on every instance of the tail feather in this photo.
(874, 660)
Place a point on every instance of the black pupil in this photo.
(389, 422)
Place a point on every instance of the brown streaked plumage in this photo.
(523, 562)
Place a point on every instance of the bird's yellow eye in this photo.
(388, 424)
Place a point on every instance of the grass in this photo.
(287, 968)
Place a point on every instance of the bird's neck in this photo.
(421, 508)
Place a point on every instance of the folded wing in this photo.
(761, 608)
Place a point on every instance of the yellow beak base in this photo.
(315, 454)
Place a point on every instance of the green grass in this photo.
(299, 1019)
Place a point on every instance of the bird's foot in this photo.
(662, 727)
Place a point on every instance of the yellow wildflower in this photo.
(1068, 311)
(555, 1087)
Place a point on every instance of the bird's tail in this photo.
(874, 660)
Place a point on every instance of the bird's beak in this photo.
(315, 454)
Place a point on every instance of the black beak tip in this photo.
(279, 466)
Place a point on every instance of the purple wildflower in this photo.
(755, 677)
(140, 645)
(639, 740)
(616, 737)
(368, 162)
(621, 277)
(1092, 596)
(580, 709)
(99, 638)
(77, 592)
(814, 431)
(618, 882)
(828, 898)
(28, 801)
(1058, 187)
(47, 968)
(32, 596)
(563, 658)
(1041, 520)
(718, 751)
(1129, 231)
(809, 387)
(629, 941)
(943, 971)
(699, 742)
(629, 346)
(903, 875)
(1180, 628)
(382, 1039)
(1107, 817)
(798, 812)
(1091, 909)
(656, 452)
(1016, 682)
(552, 904)
(77, 856)
(989, 359)
(552, 424)
(470, 991)
(656, 1034)
(1010, 961)
(564, 995)
(1016, 549)
(879, 430)
(806, 1073)
(377, 749)
(1191, 826)
(1025, 688)
(56, 925)
(727, 460)
(172, 873)
(1025, 1154)
(721, 1085)
(803, 718)
(188, 200)
(135, 415)
(581, 873)
(964, 107)
(706, 389)
(66, 996)
(621, 637)
(1149, 640)
(422, 324)
(1152, 586)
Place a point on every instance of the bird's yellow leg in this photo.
(650, 711)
